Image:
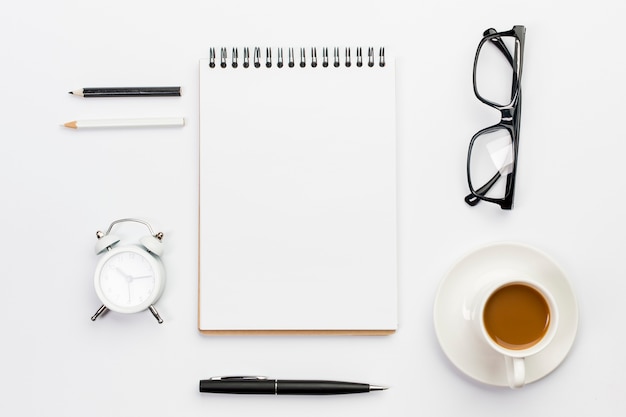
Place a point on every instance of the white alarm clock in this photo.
(129, 278)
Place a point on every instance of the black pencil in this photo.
(127, 92)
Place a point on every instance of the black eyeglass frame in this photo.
(510, 115)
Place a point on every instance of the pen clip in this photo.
(238, 378)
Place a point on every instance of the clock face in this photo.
(128, 280)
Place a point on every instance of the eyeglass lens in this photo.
(491, 161)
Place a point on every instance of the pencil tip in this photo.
(70, 92)
(71, 125)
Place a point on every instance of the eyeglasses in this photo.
(492, 155)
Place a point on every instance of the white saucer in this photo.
(458, 338)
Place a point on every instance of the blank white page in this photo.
(297, 198)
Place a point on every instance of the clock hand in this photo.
(124, 274)
(131, 278)
(141, 277)
(128, 279)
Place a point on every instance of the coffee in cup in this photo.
(517, 317)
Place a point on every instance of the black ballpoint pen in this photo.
(263, 385)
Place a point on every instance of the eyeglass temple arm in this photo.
(497, 41)
(472, 200)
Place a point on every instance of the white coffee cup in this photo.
(509, 314)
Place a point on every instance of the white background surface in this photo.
(59, 186)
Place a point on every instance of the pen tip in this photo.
(377, 388)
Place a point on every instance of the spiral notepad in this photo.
(297, 191)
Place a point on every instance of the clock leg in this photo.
(155, 313)
(101, 310)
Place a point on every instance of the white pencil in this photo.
(160, 121)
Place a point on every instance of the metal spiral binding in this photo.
(291, 60)
(235, 57)
(336, 64)
(246, 57)
(212, 58)
(224, 55)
